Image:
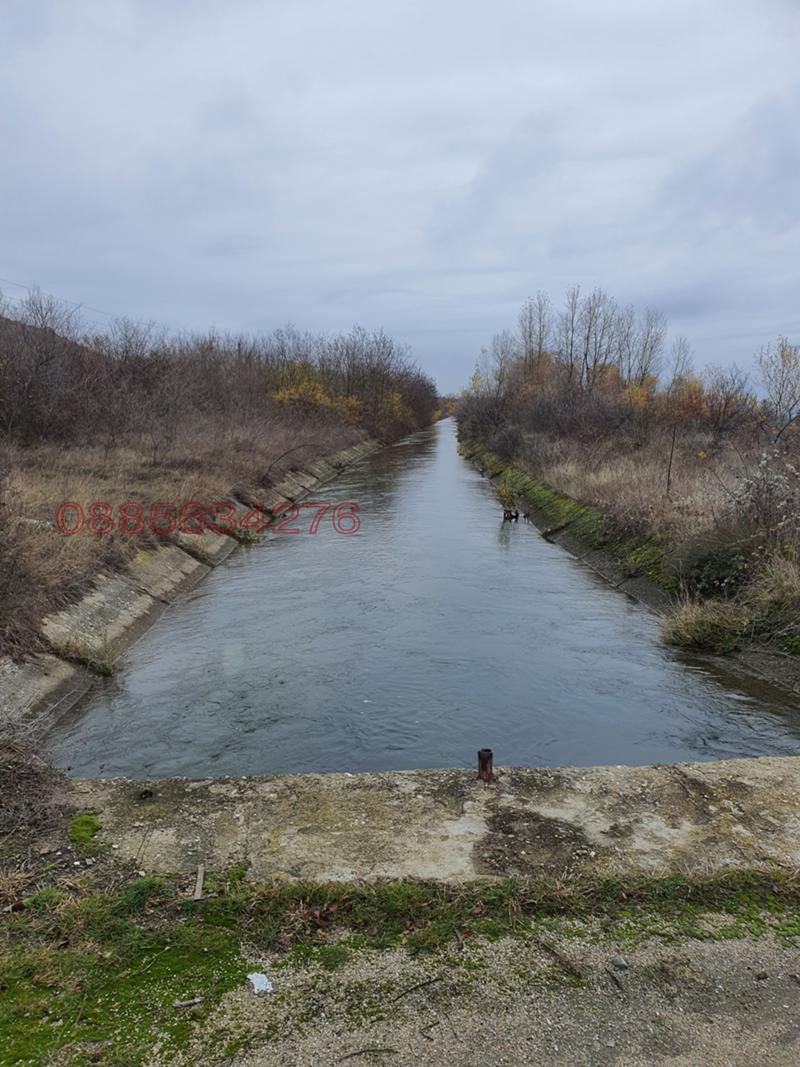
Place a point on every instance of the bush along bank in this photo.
(721, 592)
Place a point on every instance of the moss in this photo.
(793, 645)
(246, 537)
(81, 979)
(82, 831)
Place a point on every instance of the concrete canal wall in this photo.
(90, 634)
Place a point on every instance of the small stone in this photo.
(611, 1043)
(619, 962)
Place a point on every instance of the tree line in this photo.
(60, 383)
(593, 367)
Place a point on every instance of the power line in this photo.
(63, 300)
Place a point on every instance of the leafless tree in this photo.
(568, 332)
(679, 363)
(779, 367)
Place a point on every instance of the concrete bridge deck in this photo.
(446, 825)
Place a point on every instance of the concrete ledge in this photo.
(207, 547)
(289, 489)
(446, 825)
(321, 470)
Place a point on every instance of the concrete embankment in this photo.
(446, 825)
(119, 606)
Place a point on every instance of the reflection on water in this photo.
(433, 631)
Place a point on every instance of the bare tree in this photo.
(779, 367)
(526, 326)
(535, 325)
(650, 351)
(568, 326)
(728, 399)
(679, 362)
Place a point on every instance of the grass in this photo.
(716, 626)
(82, 831)
(96, 973)
(734, 587)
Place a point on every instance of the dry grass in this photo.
(42, 569)
(706, 626)
(773, 595)
(630, 485)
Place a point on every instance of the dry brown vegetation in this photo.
(136, 415)
(703, 466)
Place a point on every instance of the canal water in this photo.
(432, 631)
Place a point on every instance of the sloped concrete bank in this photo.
(95, 630)
(693, 818)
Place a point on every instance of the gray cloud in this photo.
(420, 166)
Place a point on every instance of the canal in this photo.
(433, 630)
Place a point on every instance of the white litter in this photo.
(259, 982)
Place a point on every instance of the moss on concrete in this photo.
(555, 511)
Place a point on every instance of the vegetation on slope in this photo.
(692, 479)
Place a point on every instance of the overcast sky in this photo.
(423, 166)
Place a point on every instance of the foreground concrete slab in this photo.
(446, 825)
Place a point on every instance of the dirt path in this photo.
(548, 1000)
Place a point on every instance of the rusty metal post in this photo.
(485, 764)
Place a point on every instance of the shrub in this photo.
(717, 563)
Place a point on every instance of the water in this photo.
(433, 631)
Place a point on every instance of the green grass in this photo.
(84, 969)
(82, 831)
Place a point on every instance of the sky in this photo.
(420, 166)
